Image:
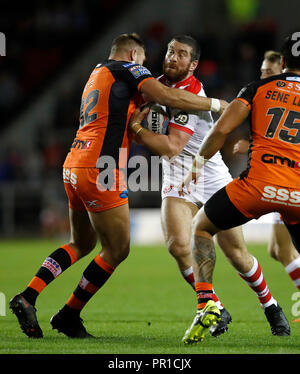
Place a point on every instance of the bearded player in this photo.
(186, 132)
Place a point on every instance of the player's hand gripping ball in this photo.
(157, 120)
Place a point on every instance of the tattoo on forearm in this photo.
(205, 258)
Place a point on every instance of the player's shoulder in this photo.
(162, 79)
(138, 71)
(125, 66)
(196, 86)
(275, 79)
(191, 84)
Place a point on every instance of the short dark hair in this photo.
(127, 41)
(192, 42)
(290, 56)
(272, 56)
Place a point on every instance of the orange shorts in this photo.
(255, 198)
(84, 191)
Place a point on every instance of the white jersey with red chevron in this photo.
(215, 173)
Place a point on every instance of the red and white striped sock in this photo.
(293, 270)
(217, 301)
(255, 279)
(188, 275)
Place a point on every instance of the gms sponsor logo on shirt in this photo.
(138, 70)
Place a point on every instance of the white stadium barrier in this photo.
(146, 228)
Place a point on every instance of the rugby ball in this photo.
(157, 120)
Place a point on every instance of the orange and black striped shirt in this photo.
(274, 153)
(108, 101)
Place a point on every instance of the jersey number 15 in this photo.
(289, 123)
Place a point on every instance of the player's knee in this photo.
(237, 256)
(284, 254)
(273, 252)
(202, 228)
(124, 253)
(119, 254)
(178, 247)
(85, 247)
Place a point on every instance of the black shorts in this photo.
(222, 213)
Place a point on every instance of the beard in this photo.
(175, 75)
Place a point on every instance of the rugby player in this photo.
(280, 245)
(270, 182)
(98, 208)
(186, 132)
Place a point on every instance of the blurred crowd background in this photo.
(51, 48)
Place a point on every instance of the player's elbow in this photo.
(172, 150)
(163, 96)
(221, 130)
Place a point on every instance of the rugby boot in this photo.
(222, 326)
(277, 320)
(204, 319)
(70, 325)
(26, 314)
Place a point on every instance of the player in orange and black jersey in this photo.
(270, 183)
(107, 104)
(275, 137)
(95, 184)
(280, 245)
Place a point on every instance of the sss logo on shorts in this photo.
(281, 196)
(69, 177)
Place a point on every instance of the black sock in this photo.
(51, 268)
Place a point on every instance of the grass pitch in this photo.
(145, 307)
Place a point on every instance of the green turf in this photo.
(145, 307)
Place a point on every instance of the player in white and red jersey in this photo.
(186, 132)
(196, 125)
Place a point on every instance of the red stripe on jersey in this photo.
(191, 84)
(181, 128)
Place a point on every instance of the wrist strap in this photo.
(200, 162)
(215, 105)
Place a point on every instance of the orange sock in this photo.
(204, 293)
